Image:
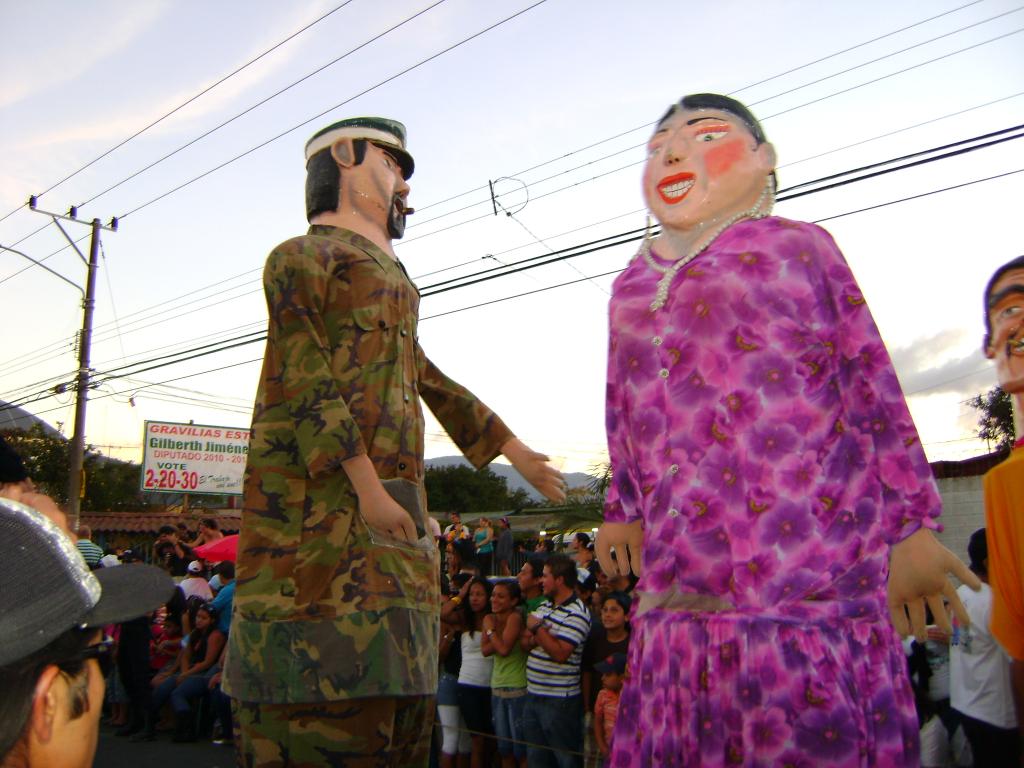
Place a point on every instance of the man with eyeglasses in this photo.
(53, 657)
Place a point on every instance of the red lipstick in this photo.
(673, 189)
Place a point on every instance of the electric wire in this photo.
(571, 252)
(342, 5)
(331, 109)
(188, 101)
(638, 162)
(961, 29)
(103, 378)
(610, 172)
(897, 72)
(582, 249)
(731, 93)
(889, 55)
(296, 127)
(260, 103)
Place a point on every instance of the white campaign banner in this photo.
(193, 458)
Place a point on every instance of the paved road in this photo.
(114, 752)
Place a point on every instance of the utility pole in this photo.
(77, 453)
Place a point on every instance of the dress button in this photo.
(406, 398)
(403, 332)
(401, 465)
(381, 324)
(656, 341)
(663, 373)
(674, 469)
(673, 512)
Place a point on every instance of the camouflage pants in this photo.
(388, 732)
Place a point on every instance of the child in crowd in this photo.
(612, 671)
(609, 635)
(166, 643)
(116, 695)
(455, 739)
(502, 628)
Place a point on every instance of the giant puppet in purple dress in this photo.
(765, 472)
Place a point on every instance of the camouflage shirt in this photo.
(321, 612)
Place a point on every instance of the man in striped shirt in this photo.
(91, 553)
(554, 636)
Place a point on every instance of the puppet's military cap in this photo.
(387, 134)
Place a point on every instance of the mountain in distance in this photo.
(514, 480)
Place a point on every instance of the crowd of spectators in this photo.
(530, 666)
(167, 671)
(961, 682)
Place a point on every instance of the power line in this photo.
(188, 101)
(300, 125)
(897, 72)
(923, 194)
(167, 381)
(626, 239)
(961, 29)
(732, 93)
(890, 55)
(781, 198)
(769, 117)
(640, 237)
(589, 146)
(575, 251)
(602, 243)
(260, 103)
(336, 106)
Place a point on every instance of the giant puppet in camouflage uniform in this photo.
(764, 459)
(332, 653)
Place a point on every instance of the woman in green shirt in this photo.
(502, 628)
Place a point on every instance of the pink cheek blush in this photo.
(723, 156)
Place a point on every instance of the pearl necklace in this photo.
(670, 272)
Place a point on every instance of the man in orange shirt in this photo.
(1004, 484)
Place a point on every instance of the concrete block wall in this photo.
(963, 511)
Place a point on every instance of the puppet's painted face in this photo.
(381, 189)
(703, 166)
(1006, 317)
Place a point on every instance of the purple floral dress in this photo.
(757, 428)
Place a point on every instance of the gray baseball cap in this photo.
(48, 589)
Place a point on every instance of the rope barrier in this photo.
(528, 744)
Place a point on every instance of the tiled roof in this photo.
(977, 465)
(150, 522)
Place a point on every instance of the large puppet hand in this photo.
(627, 540)
(534, 468)
(383, 514)
(917, 574)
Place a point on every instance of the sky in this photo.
(550, 103)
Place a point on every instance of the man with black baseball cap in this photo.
(53, 657)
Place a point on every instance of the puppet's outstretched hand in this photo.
(918, 568)
(627, 540)
(535, 470)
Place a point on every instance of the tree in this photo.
(467, 491)
(995, 422)
(45, 457)
(109, 484)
